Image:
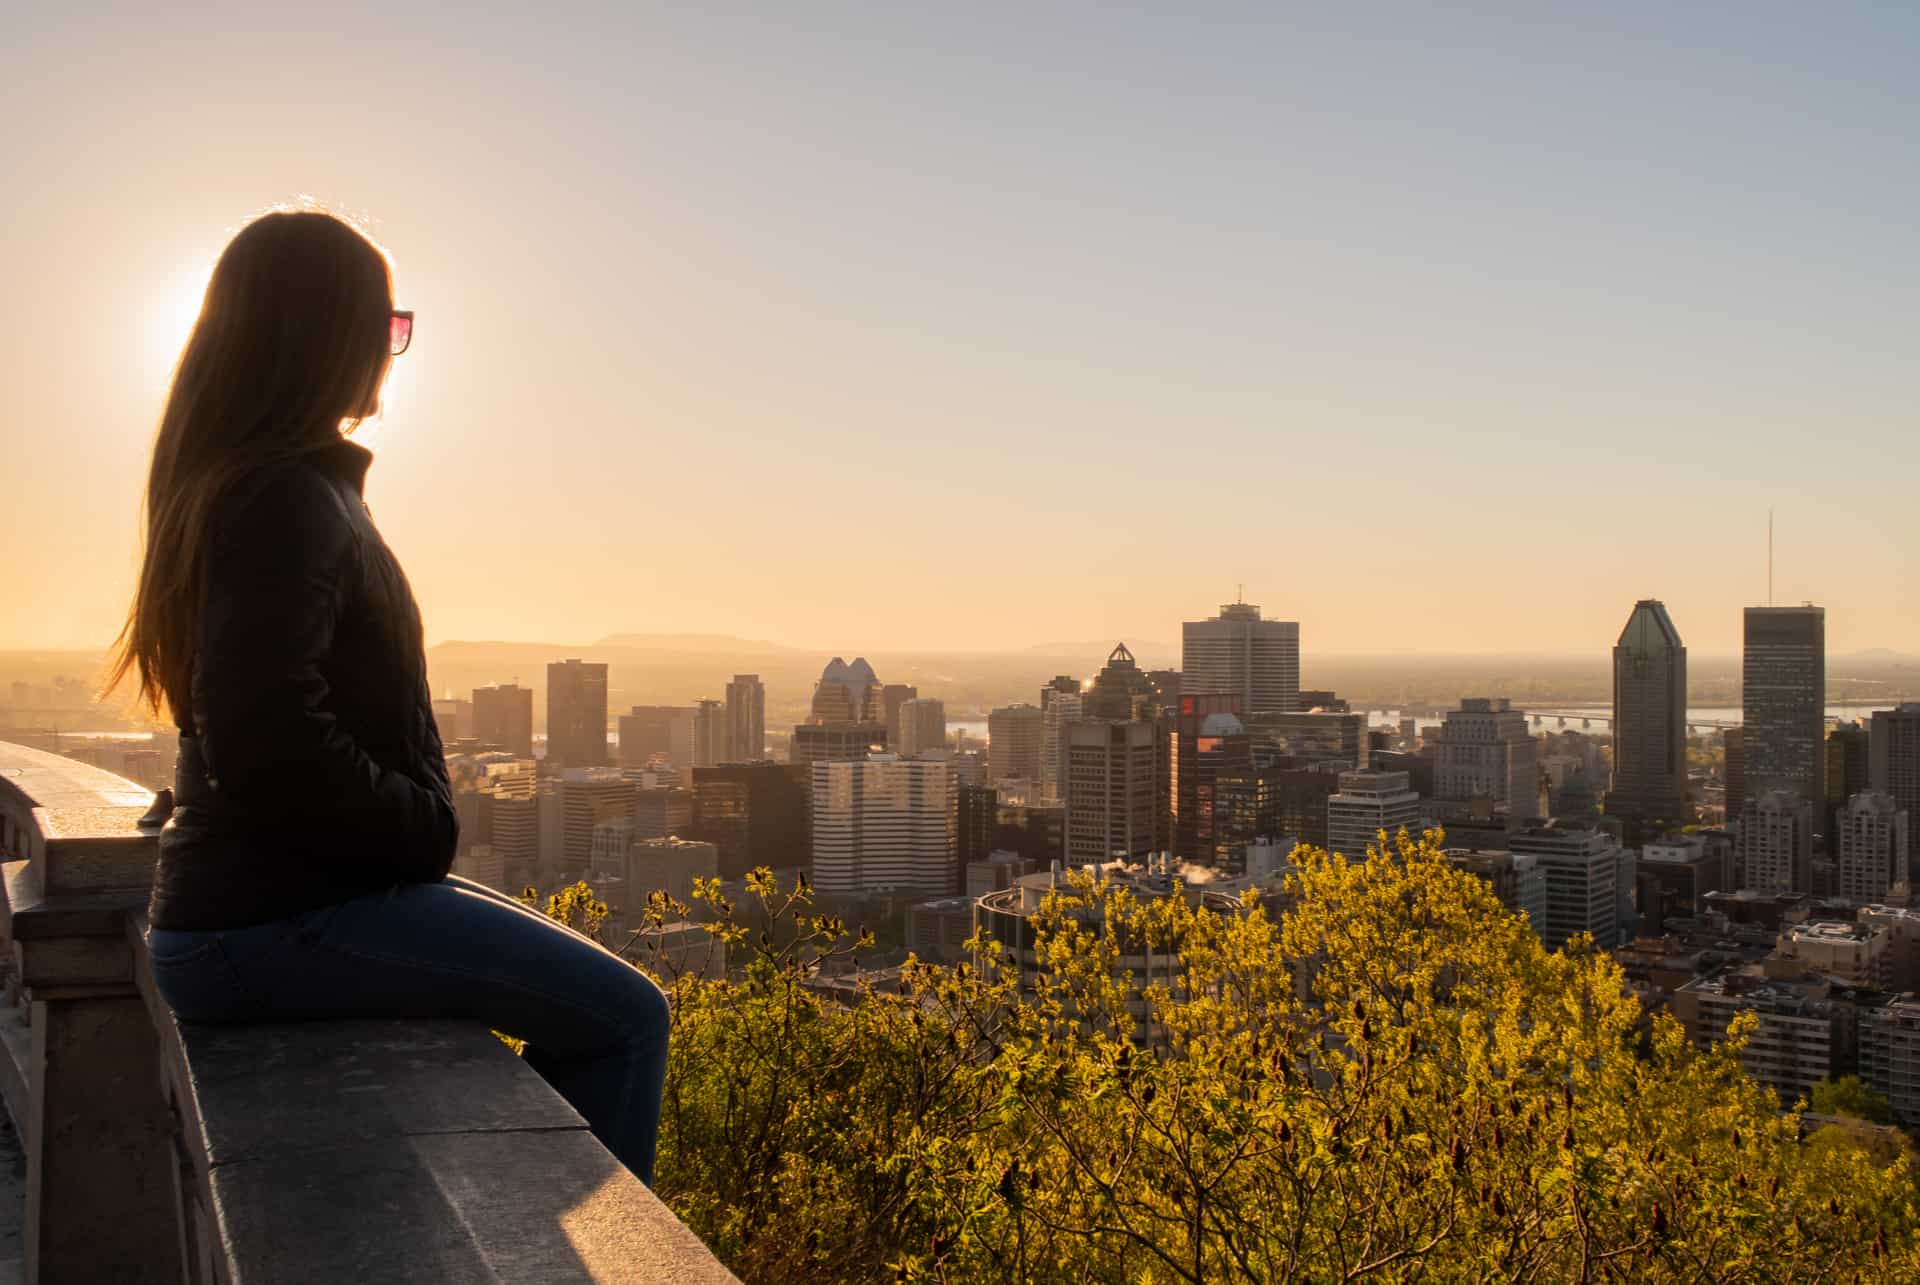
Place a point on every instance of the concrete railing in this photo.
(324, 1151)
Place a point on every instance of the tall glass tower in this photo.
(1783, 691)
(1649, 722)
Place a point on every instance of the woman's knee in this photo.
(640, 1007)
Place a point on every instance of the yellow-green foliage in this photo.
(1396, 1082)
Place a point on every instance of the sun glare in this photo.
(172, 307)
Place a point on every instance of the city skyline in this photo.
(649, 248)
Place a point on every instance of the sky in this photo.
(1440, 328)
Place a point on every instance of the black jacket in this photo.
(310, 766)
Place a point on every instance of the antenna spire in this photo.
(1769, 555)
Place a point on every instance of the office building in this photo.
(576, 714)
(1485, 750)
(1776, 843)
(608, 859)
(1516, 878)
(937, 931)
(1849, 771)
(1314, 736)
(1583, 870)
(480, 864)
(836, 742)
(1270, 802)
(1110, 791)
(885, 823)
(1239, 652)
(848, 717)
(922, 724)
(1783, 696)
(1893, 756)
(1014, 737)
(454, 718)
(1208, 743)
(754, 814)
(1733, 744)
(746, 740)
(1807, 1024)
(656, 731)
(1120, 691)
(848, 694)
(1036, 833)
(975, 822)
(660, 811)
(1367, 803)
(1649, 788)
(1062, 710)
(512, 808)
(709, 733)
(1889, 1053)
(1873, 846)
(892, 697)
(1857, 952)
(587, 796)
(503, 716)
(1676, 874)
(668, 865)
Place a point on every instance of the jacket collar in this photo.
(344, 459)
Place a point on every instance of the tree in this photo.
(1849, 1097)
(1389, 1077)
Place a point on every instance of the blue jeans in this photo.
(595, 1026)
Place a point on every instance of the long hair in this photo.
(288, 352)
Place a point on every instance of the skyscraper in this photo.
(1893, 755)
(1733, 743)
(503, 716)
(1783, 697)
(1013, 743)
(1237, 651)
(1485, 750)
(1220, 751)
(746, 720)
(848, 694)
(1849, 771)
(848, 716)
(1062, 710)
(1121, 690)
(884, 823)
(709, 733)
(892, 697)
(923, 726)
(1649, 790)
(576, 714)
(1110, 791)
(1209, 743)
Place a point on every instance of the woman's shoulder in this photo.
(287, 499)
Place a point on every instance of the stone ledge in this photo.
(375, 1151)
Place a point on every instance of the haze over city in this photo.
(864, 328)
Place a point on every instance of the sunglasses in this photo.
(400, 330)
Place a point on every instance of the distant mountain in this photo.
(725, 643)
(1149, 652)
(1877, 656)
